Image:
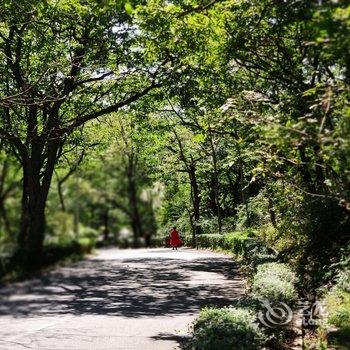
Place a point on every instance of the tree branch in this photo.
(110, 109)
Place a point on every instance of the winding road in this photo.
(117, 299)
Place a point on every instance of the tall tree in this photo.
(63, 64)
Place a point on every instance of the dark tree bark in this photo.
(136, 223)
(304, 170)
(235, 190)
(190, 168)
(61, 181)
(195, 196)
(61, 196)
(216, 182)
(105, 218)
(243, 188)
(34, 196)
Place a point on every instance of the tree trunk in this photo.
(106, 225)
(196, 229)
(235, 191)
(304, 169)
(133, 201)
(241, 175)
(216, 183)
(60, 195)
(61, 181)
(36, 185)
(32, 222)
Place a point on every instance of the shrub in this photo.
(257, 259)
(255, 253)
(158, 241)
(275, 282)
(338, 306)
(227, 329)
(338, 303)
(258, 212)
(340, 318)
(234, 241)
(89, 233)
(208, 225)
(54, 252)
(86, 245)
(210, 241)
(343, 280)
(60, 225)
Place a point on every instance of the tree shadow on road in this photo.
(129, 288)
(180, 339)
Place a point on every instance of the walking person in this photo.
(175, 240)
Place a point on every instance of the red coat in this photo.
(175, 240)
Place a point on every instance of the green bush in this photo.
(89, 233)
(258, 212)
(226, 329)
(257, 259)
(54, 252)
(233, 242)
(343, 280)
(212, 241)
(340, 318)
(187, 240)
(338, 307)
(255, 253)
(338, 303)
(209, 225)
(275, 282)
(86, 245)
(158, 241)
(60, 225)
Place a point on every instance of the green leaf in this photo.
(128, 8)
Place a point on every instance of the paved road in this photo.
(118, 299)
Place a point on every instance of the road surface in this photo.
(118, 299)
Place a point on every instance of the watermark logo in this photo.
(312, 314)
(280, 314)
(275, 315)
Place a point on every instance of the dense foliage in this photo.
(227, 328)
(275, 282)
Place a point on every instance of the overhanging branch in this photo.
(110, 109)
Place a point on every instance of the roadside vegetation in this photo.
(271, 285)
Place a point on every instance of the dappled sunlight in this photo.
(118, 299)
(133, 287)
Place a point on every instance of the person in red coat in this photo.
(175, 240)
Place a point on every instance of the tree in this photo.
(295, 66)
(63, 64)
